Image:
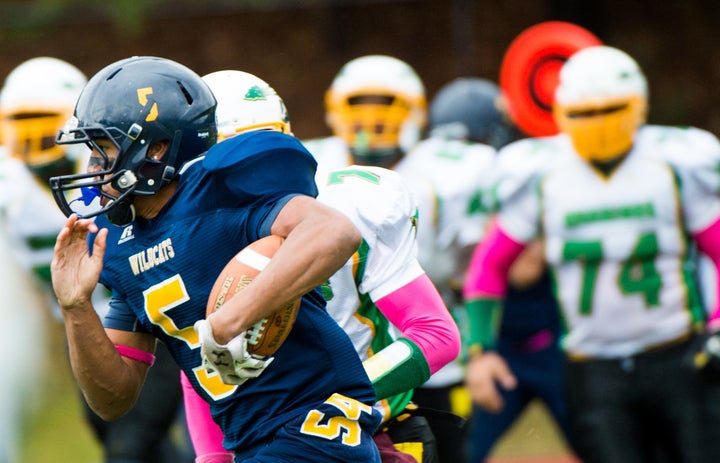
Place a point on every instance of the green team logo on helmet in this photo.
(255, 93)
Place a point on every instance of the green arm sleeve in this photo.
(397, 368)
(484, 315)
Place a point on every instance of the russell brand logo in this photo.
(127, 234)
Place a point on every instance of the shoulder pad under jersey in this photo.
(683, 147)
(262, 161)
(522, 162)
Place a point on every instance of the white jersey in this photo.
(32, 221)
(23, 336)
(618, 246)
(31, 217)
(381, 206)
(447, 179)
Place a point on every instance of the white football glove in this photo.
(231, 361)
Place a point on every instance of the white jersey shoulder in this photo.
(330, 153)
(380, 204)
(521, 163)
(682, 146)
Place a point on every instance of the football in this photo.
(267, 335)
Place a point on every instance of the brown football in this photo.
(267, 335)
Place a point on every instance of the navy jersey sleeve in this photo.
(262, 164)
(121, 317)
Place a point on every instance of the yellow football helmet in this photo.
(600, 102)
(377, 104)
(246, 103)
(36, 100)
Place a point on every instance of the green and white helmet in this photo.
(246, 103)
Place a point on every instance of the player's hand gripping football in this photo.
(231, 361)
(707, 358)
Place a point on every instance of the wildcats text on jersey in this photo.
(152, 256)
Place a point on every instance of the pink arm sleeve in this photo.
(490, 264)
(708, 242)
(205, 434)
(419, 312)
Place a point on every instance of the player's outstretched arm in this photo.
(318, 241)
(485, 286)
(109, 383)
(429, 340)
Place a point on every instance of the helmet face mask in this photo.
(134, 104)
(377, 105)
(605, 132)
(601, 102)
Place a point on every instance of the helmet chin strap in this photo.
(122, 211)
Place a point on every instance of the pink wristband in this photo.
(220, 457)
(136, 354)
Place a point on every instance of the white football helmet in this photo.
(246, 103)
(377, 104)
(600, 102)
(36, 100)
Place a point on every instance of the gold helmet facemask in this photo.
(30, 136)
(605, 131)
(371, 120)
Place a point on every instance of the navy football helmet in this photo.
(134, 103)
(471, 108)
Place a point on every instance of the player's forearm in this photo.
(418, 311)
(105, 379)
(489, 268)
(430, 339)
(397, 368)
(486, 284)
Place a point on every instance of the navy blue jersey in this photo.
(530, 310)
(161, 272)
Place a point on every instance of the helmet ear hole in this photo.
(157, 150)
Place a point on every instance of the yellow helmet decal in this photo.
(143, 99)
